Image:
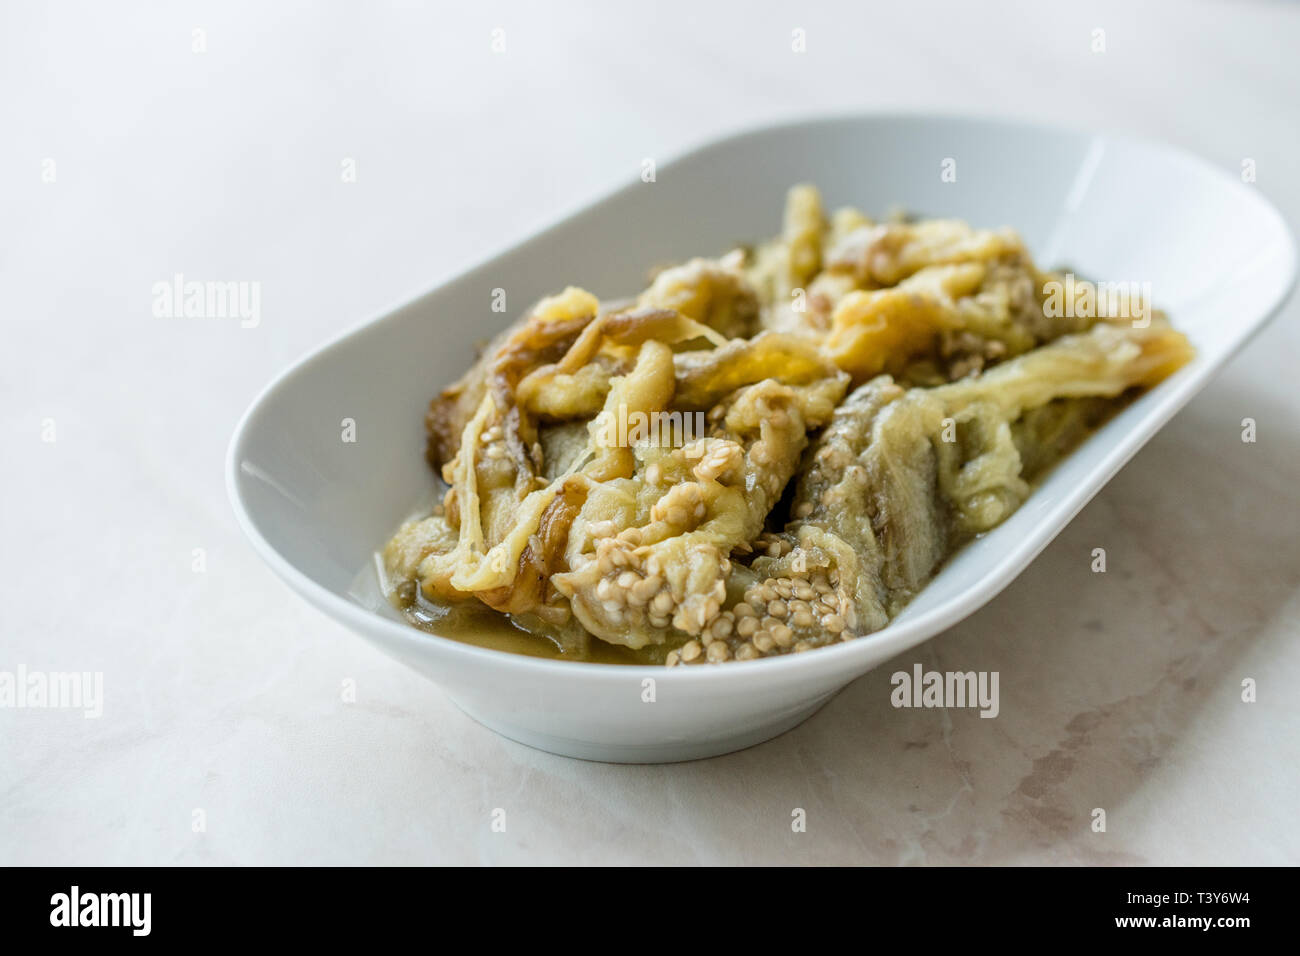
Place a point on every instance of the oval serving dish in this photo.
(1219, 258)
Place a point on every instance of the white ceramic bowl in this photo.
(1219, 259)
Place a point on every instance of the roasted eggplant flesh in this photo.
(764, 453)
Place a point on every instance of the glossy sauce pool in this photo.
(477, 624)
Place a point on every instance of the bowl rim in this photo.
(845, 658)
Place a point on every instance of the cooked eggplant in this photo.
(764, 453)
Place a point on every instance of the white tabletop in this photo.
(221, 689)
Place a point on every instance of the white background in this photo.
(222, 689)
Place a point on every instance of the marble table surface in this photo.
(209, 139)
